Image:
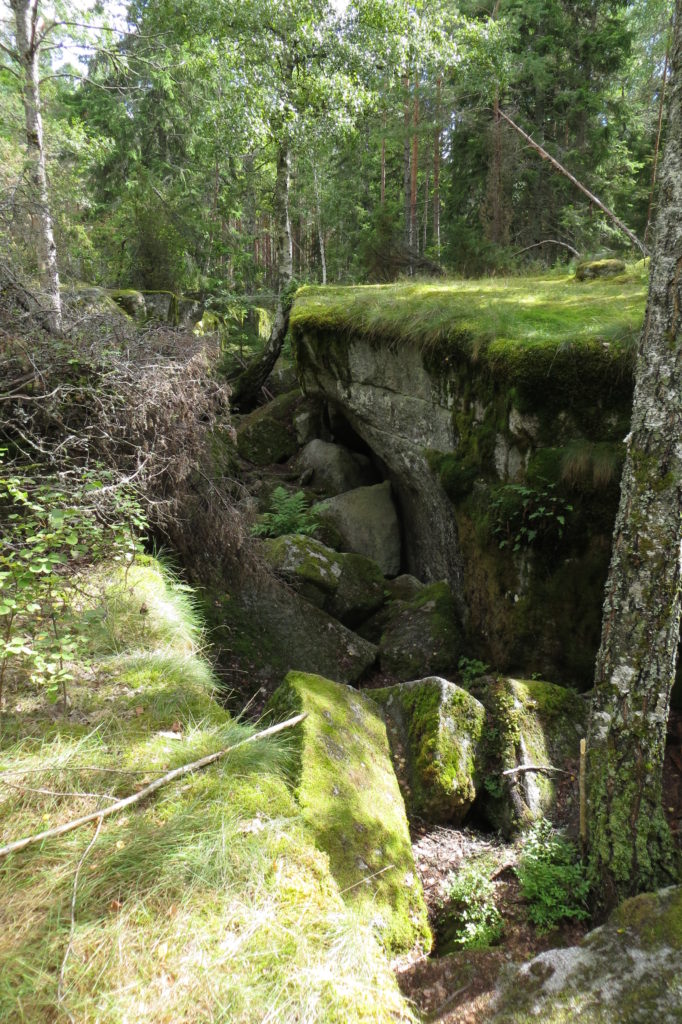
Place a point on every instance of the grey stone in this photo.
(367, 523)
(335, 468)
(628, 971)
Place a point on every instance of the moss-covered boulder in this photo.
(349, 795)
(588, 270)
(131, 302)
(349, 587)
(420, 636)
(531, 722)
(264, 629)
(629, 972)
(267, 435)
(333, 468)
(367, 523)
(435, 729)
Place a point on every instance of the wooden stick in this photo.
(590, 195)
(176, 773)
(583, 797)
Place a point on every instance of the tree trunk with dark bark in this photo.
(246, 388)
(630, 846)
(28, 46)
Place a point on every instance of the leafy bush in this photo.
(552, 879)
(289, 513)
(477, 921)
(523, 516)
(49, 533)
(471, 669)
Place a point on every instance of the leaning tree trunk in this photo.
(246, 388)
(28, 46)
(630, 846)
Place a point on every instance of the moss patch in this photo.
(349, 795)
(440, 727)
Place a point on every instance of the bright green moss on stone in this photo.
(349, 796)
(439, 726)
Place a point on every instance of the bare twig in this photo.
(547, 768)
(19, 786)
(548, 241)
(176, 773)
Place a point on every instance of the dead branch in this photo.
(567, 174)
(548, 241)
(135, 798)
(546, 768)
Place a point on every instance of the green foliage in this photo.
(288, 513)
(470, 669)
(49, 534)
(553, 881)
(474, 919)
(523, 516)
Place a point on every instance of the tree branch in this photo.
(590, 195)
(135, 798)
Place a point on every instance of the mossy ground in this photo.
(349, 795)
(209, 902)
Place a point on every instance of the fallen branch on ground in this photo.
(176, 773)
(530, 768)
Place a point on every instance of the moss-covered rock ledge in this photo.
(498, 409)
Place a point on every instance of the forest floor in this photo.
(459, 987)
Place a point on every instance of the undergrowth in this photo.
(551, 877)
(474, 922)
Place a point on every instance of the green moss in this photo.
(441, 728)
(544, 335)
(349, 796)
(654, 924)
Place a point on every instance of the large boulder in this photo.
(435, 729)
(420, 636)
(366, 521)
(629, 971)
(131, 302)
(350, 587)
(589, 270)
(264, 630)
(532, 722)
(267, 434)
(350, 797)
(332, 468)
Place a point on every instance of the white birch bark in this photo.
(28, 46)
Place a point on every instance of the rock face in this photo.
(395, 406)
(419, 635)
(366, 521)
(506, 481)
(436, 728)
(271, 630)
(629, 972)
(350, 797)
(349, 587)
(333, 468)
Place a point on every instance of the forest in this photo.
(340, 511)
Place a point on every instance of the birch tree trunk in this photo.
(28, 46)
(630, 846)
(247, 386)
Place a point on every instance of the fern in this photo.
(288, 513)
